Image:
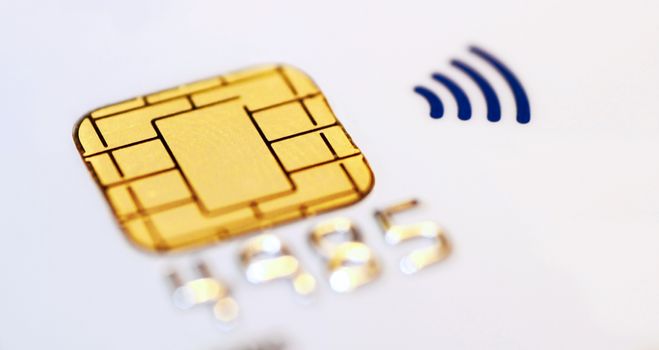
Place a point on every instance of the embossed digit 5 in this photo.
(395, 234)
(349, 261)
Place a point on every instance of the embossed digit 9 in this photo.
(395, 234)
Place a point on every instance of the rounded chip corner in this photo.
(75, 132)
(362, 175)
(299, 79)
(371, 180)
(138, 236)
(294, 69)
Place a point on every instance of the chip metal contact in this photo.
(217, 158)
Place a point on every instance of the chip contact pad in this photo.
(218, 158)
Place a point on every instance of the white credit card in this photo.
(553, 223)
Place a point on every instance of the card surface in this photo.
(513, 148)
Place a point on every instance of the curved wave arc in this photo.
(436, 105)
(491, 99)
(521, 99)
(461, 99)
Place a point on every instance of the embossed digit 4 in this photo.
(205, 290)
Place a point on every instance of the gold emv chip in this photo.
(217, 158)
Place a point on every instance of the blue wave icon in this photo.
(491, 98)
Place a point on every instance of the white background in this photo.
(555, 223)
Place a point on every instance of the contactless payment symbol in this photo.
(462, 101)
(214, 159)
